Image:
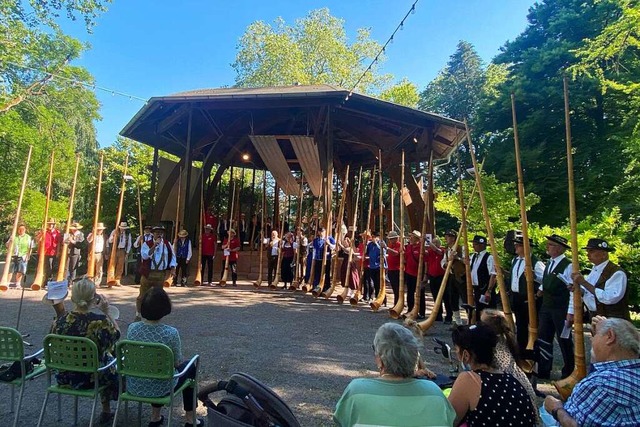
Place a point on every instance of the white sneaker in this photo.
(205, 283)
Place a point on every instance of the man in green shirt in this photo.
(22, 245)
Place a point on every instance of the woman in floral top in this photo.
(99, 328)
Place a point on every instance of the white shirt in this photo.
(159, 257)
(476, 264)
(124, 240)
(516, 272)
(550, 267)
(98, 242)
(141, 239)
(614, 288)
(445, 259)
(274, 246)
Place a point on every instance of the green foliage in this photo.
(315, 50)
(403, 93)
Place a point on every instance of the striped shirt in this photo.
(609, 396)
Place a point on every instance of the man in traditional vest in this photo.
(456, 282)
(183, 253)
(518, 292)
(123, 247)
(605, 289)
(146, 236)
(483, 275)
(158, 259)
(318, 252)
(99, 248)
(75, 241)
(557, 305)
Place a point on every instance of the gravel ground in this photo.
(306, 349)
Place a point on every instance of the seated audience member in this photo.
(507, 348)
(156, 305)
(610, 394)
(395, 398)
(483, 395)
(99, 328)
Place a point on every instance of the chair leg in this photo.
(93, 408)
(13, 392)
(126, 411)
(140, 414)
(44, 407)
(170, 409)
(59, 408)
(15, 420)
(115, 415)
(75, 410)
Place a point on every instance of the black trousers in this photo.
(182, 267)
(367, 284)
(233, 268)
(138, 265)
(520, 309)
(375, 278)
(394, 279)
(477, 293)
(207, 261)
(272, 265)
(327, 274)
(434, 286)
(72, 267)
(451, 297)
(551, 323)
(50, 266)
(187, 393)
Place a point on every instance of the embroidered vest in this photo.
(619, 309)
(182, 248)
(555, 293)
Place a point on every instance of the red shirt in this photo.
(235, 244)
(411, 257)
(432, 260)
(208, 244)
(361, 249)
(393, 260)
(211, 219)
(51, 241)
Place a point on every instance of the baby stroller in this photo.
(247, 402)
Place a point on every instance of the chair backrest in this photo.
(66, 353)
(144, 360)
(11, 345)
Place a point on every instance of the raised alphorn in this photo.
(276, 279)
(197, 281)
(465, 242)
(528, 267)
(413, 314)
(341, 297)
(397, 309)
(356, 296)
(506, 306)
(4, 281)
(325, 248)
(335, 267)
(258, 281)
(91, 264)
(565, 386)
(62, 266)
(429, 321)
(111, 269)
(168, 280)
(39, 279)
(225, 274)
(296, 275)
(382, 294)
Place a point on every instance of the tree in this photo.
(315, 50)
(403, 93)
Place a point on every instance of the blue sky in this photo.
(157, 47)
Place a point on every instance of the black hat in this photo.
(453, 233)
(599, 244)
(519, 238)
(559, 240)
(480, 239)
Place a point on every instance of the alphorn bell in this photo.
(4, 281)
(382, 294)
(39, 279)
(397, 309)
(356, 296)
(347, 279)
(168, 280)
(91, 263)
(413, 314)
(111, 269)
(565, 386)
(225, 274)
(296, 275)
(197, 281)
(506, 306)
(336, 270)
(258, 282)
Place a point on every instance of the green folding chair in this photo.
(76, 354)
(12, 350)
(151, 361)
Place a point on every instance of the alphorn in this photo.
(111, 269)
(565, 386)
(413, 314)
(506, 306)
(168, 280)
(325, 247)
(382, 294)
(225, 274)
(427, 323)
(528, 267)
(296, 275)
(356, 296)
(62, 266)
(397, 309)
(197, 281)
(335, 267)
(276, 279)
(4, 281)
(91, 264)
(309, 285)
(258, 281)
(465, 242)
(345, 292)
(39, 279)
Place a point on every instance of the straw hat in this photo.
(209, 226)
(416, 233)
(76, 225)
(183, 233)
(123, 225)
(392, 235)
(51, 221)
(232, 231)
(100, 226)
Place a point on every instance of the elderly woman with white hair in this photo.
(395, 398)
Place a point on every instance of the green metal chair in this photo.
(76, 354)
(12, 350)
(151, 361)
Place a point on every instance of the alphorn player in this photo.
(122, 249)
(145, 237)
(373, 253)
(456, 282)
(208, 253)
(433, 257)
(557, 303)
(393, 265)
(231, 247)
(52, 246)
(76, 242)
(99, 248)
(483, 275)
(605, 289)
(157, 259)
(518, 292)
(318, 251)
(184, 252)
(411, 280)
